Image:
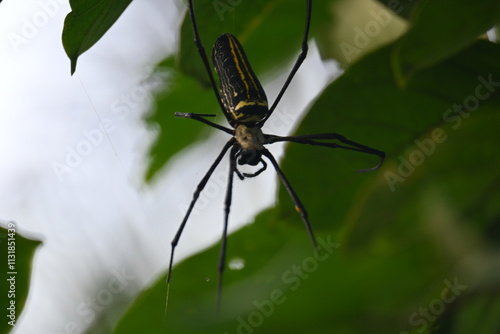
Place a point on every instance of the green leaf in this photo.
(17, 254)
(87, 23)
(440, 29)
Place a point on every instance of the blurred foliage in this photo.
(16, 273)
(429, 41)
(410, 248)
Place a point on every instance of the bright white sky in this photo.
(100, 218)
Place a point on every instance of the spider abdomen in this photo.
(241, 92)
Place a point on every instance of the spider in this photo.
(244, 104)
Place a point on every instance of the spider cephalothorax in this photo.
(251, 141)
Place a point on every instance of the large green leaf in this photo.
(419, 235)
(17, 254)
(87, 23)
(436, 195)
(400, 238)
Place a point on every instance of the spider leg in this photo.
(312, 140)
(201, 118)
(227, 208)
(203, 55)
(240, 176)
(298, 204)
(196, 194)
(298, 62)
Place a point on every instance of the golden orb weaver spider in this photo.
(244, 104)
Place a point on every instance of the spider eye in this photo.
(249, 157)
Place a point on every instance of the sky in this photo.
(75, 149)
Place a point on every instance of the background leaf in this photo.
(87, 23)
